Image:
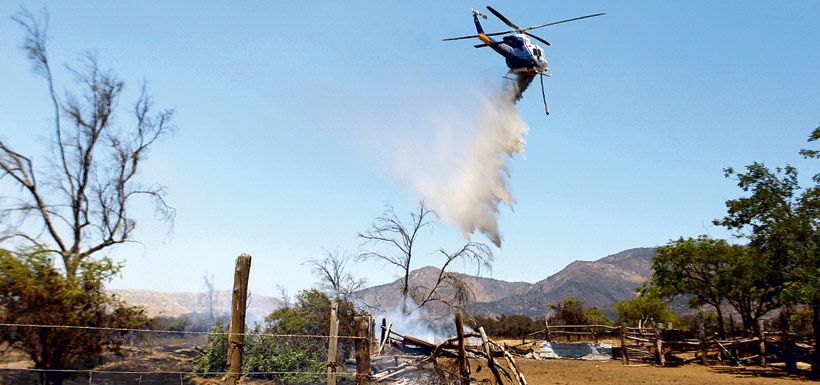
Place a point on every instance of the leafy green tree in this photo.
(33, 291)
(702, 268)
(781, 221)
(644, 308)
(754, 286)
(568, 311)
(596, 316)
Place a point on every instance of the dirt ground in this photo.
(165, 354)
(173, 356)
(613, 372)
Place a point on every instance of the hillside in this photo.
(599, 283)
(484, 289)
(176, 304)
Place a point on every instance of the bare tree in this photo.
(389, 230)
(82, 198)
(333, 274)
(476, 253)
(397, 240)
(284, 296)
(210, 293)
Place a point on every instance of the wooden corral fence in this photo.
(570, 333)
(671, 347)
(660, 343)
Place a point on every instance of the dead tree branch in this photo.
(83, 204)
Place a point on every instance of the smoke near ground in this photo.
(466, 171)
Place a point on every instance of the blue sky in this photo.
(284, 110)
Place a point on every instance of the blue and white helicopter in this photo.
(524, 58)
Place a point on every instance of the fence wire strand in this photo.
(102, 328)
(94, 371)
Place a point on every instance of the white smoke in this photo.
(417, 322)
(421, 323)
(464, 175)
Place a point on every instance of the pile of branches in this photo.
(498, 359)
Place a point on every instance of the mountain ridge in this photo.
(598, 283)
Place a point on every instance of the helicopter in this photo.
(524, 58)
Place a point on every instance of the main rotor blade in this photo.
(563, 21)
(460, 38)
(537, 38)
(504, 19)
(475, 36)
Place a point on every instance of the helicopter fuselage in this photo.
(520, 53)
(524, 58)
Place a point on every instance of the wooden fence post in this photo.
(513, 366)
(485, 342)
(463, 364)
(384, 330)
(362, 344)
(371, 329)
(761, 333)
(659, 345)
(331, 345)
(624, 354)
(547, 327)
(702, 338)
(236, 340)
(385, 337)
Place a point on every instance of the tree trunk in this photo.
(788, 348)
(59, 377)
(815, 324)
(747, 322)
(43, 377)
(721, 328)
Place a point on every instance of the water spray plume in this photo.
(467, 181)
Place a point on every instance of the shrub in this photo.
(291, 358)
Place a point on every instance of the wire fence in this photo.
(159, 331)
(118, 376)
(140, 377)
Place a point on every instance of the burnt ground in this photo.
(178, 355)
(167, 354)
